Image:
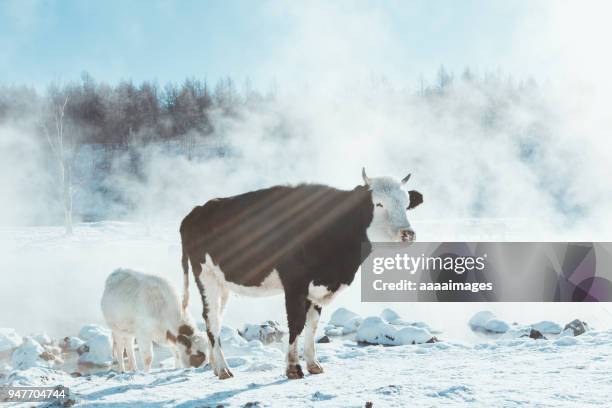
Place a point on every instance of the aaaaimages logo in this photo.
(488, 272)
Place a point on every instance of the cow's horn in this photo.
(405, 179)
(366, 179)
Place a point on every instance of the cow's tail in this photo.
(185, 263)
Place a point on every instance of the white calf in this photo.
(146, 307)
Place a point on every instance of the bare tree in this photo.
(63, 149)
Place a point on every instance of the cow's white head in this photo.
(391, 202)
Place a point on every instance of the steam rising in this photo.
(534, 155)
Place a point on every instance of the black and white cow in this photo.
(306, 241)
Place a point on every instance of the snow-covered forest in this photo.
(94, 150)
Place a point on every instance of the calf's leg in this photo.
(145, 346)
(177, 358)
(129, 350)
(118, 347)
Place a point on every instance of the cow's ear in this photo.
(416, 199)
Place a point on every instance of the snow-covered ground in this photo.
(53, 284)
(503, 373)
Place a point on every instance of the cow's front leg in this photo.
(310, 355)
(296, 305)
(118, 348)
(211, 292)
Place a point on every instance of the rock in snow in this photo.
(5, 369)
(496, 326)
(577, 327)
(323, 339)
(547, 327)
(487, 322)
(30, 354)
(414, 335)
(375, 330)
(71, 343)
(394, 318)
(388, 329)
(479, 320)
(343, 322)
(42, 338)
(536, 335)
(331, 330)
(234, 345)
(97, 350)
(267, 332)
(9, 340)
(389, 315)
(91, 330)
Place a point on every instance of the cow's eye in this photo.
(379, 205)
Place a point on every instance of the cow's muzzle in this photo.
(407, 235)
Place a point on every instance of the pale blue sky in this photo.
(44, 41)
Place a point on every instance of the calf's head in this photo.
(192, 346)
(391, 202)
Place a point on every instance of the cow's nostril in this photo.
(408, 235)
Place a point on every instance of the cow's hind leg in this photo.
(185, 302)
(297, 306)
(145, 346)
(312, 320)
(212, 293)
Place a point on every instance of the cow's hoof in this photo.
(315, 368)
(225, 373)
(294, 372)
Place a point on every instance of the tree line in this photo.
(135, 113)
(127, 112)
(127, 115)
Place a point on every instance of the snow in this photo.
(9, 339)
(496, 326)
(389, 315)
(445, 374)
(71, 343)
(5, 369)
(566, 341)
(567, 333)
(547, 327)
(453, 372)
(343, 322)
(92, 330)
(375, 330)
(342, 316)
(28, 354)
(99, 350)
(413, 335)
(333, 331)
(479, 320)
(487, 322)
(42, 338)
